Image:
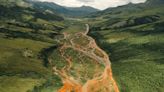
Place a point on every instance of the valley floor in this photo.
(101, 79)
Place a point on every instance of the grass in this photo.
(12, 54)
(137, 58)
(23, 44)
(75, 29)
(24, 72)
(74, 26)
(136, 51)
(17, 84)
(26, 37)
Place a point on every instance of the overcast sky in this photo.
(100, 4)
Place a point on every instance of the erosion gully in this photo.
(103, 83)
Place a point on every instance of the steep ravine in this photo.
(102, 79)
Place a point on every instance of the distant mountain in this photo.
(117, 10)
(67, 11)
(18, 9)
(10, 3)
(129, 15)
(129, 8)
(15, 15)
(80, 11)
(82, 8)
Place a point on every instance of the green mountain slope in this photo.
(129, 8)
(133, 36)
(25, 33)
(67, 11)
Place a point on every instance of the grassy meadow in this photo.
(136, 54)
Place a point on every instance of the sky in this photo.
(99, 4)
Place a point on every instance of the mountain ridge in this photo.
(67, 11)
(130, 7)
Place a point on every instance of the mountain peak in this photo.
(88, 7)
(68, 11)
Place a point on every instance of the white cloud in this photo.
(86, 0)
(100, 4)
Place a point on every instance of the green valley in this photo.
(134, 41)
(46, 47)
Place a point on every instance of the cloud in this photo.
(86, 0)
(100, 4)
